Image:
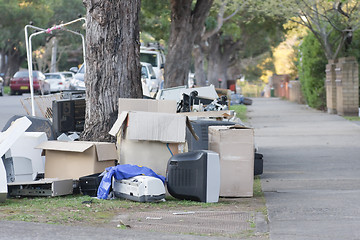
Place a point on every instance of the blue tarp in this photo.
(123, 172)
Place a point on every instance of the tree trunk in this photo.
(200, 74)
(13, 64)
(186, 23)
(213, 58)
(220, 59)
(2, 61)
(112, 62)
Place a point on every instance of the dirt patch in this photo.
(236, 218)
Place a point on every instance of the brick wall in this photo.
(330, 85)
(347, 87)
(295, 93)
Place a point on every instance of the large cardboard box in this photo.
(147, 105)
(72, 160)
(235, 145)
(150, 138)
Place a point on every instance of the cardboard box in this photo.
(149, 138)
(147, 105)
(235, 145)
(72, 160)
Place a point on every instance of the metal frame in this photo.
(29, 49)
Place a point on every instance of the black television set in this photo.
(194, 176)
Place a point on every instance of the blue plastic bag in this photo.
(123, 172)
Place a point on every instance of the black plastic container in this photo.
(258, 164)
(90, 184)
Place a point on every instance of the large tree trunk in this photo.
(186, 23)
(199, 58)
(220, 58)
(112, 62)
(13, 64)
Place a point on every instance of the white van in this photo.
(155, 58)
(149, 76)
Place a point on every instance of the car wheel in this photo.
(12, 92)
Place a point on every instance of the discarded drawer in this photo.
(44, 187)
(90, 184)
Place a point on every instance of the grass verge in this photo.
(6, 90)
(80, 209)
(353, 118)
(240, 111)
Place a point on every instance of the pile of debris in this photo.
(190, 147)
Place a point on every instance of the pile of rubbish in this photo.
(186, 143)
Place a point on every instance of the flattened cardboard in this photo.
(235, 145)
(149, 126)
(147, 105)
(72, 160)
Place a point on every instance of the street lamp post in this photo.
(29, 50)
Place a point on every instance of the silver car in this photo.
(77, 83)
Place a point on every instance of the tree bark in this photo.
(112, 62)
(13, 64)
(220, 58)
(186, 23)
(200, 74)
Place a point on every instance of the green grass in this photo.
(257, 187)
(6, 90)
(71, 209)
(353, 118)
(240, 111)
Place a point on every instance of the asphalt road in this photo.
(10, 106)
(311, 174)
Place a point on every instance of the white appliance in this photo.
(140, 188)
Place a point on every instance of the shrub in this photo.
(312, 72)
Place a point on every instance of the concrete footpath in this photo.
(311, 174)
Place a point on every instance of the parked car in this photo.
(148, 74)
(20, 83)
(78, 81)
(1, 86)
(57, 82)
(69, 77)
(155, 57)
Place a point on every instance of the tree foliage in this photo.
(332, 22)
(44, 14)
(249, 34)
(312, 72)
(155, 19)
(13, 18)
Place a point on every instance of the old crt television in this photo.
(194, 176)
(201, 128)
